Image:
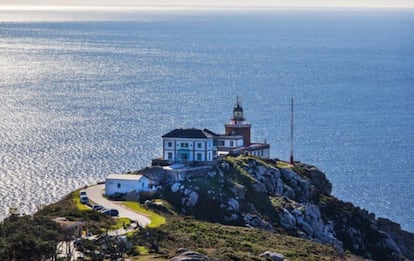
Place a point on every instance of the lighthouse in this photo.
(238, 124)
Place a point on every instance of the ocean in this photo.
(88, 93)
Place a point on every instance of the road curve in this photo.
(95, 194)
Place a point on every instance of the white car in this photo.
(84, 199)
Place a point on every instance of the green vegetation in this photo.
(121, 223)
(161, 239)
(68, 208)
(284, 165)
(277, 202)
(156, 220)
(164, 206)
(28, 238)
(268, 163)
(142, 250)
(228, 242)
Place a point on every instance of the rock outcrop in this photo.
(273, 256)
(191, 256)
(279, 197)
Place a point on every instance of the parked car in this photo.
(97, 207)
(84, 199)
(112, 212)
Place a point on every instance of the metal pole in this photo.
(291, 132)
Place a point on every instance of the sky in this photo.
(216, 3)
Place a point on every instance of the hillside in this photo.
(284, 199)
(214, 241)
(240, 208)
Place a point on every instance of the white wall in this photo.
(232, 142)
(191, 147)
(263, 153)
(113, 186)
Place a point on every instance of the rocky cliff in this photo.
(278, 197)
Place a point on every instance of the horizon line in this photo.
(181, 7)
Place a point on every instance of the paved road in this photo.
(95, 194)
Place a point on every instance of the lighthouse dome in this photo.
(238, 111)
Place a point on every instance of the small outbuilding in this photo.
(125, 183)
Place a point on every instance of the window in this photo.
(199, 145)
(184, 156)
(169, 155)
(199, 156)
(118, 185)
(184, 145)
(221, 142)
(231, 143)
(170, 144)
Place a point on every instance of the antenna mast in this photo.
(291, 132)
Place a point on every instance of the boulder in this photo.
(224, 165)
(319, 180)
(273, 256)
(190, 256)
(239, 191)
(175, 187)
(278, 189)
(212, 174)
(306, 228)
(288, 175)
(259, 187)
(233, 205)
(404, 239)
(181, 250)
(261, 170)
(288, 192)
(287, 220)
(192, 199)
(257, 222)
(390, 245)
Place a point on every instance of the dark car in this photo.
(97, 207)
(111, 212)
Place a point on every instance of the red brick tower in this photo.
(238, 125)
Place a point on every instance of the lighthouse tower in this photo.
(238, 125)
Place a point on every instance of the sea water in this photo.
(85, 94)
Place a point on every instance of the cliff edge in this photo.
(278, 197)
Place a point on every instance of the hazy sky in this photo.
(219, 3)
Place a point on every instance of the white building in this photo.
(195, 145)
(188, 145)
(125, 183)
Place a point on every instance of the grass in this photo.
(168, 207)
(284, 165)
(147, 258)
(277, 202)
(142, 250)
(120, 222)
(73, 210)
(231, 243)
(243, 162)
(156, 220)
